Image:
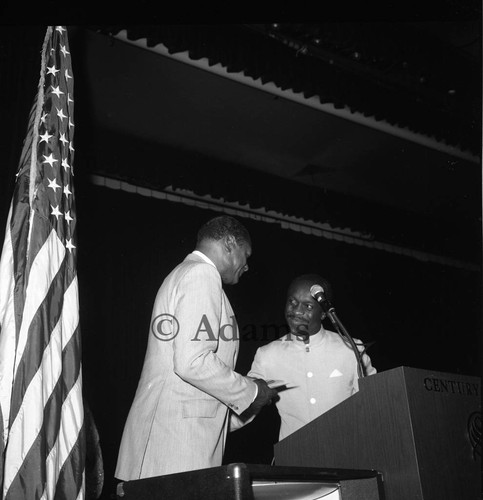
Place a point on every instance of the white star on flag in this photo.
(45, 137)
(60, 114)
(50, 159)
(53, 184)
(52, 70)
(63, 140)
(69, 245)
(57, 91)
(56, 211)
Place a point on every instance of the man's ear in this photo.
(229, 243)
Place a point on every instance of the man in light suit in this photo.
(180, 415)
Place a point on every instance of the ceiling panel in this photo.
(140, 92)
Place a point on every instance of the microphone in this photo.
(318, 294)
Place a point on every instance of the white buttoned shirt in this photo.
(319, 374)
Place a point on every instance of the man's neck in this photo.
(204, 257)
(211, 251)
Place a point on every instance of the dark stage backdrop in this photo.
(418, 314)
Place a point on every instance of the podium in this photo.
(239, 481)
(421, 429)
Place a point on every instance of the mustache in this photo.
(297, 318)
(301, 329)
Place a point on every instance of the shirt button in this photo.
(310, 374)
(312, 401)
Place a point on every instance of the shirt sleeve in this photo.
(258, 369)
(366, 360)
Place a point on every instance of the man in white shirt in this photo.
(318, 366)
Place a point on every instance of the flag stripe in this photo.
(7, 330)
(74, 452)
(19, 230)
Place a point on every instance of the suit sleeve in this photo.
(256, 371)
(198, 311)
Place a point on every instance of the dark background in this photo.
(419, 314)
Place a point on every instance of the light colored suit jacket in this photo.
(179, 417)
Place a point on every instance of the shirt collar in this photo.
(315, 339)
(204, 257)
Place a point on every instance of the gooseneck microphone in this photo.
(318, 294)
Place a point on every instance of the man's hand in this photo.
(264, 397)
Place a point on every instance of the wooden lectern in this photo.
(421, 429)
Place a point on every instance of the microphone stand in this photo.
(330, 311)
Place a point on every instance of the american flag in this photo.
(43, 440)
